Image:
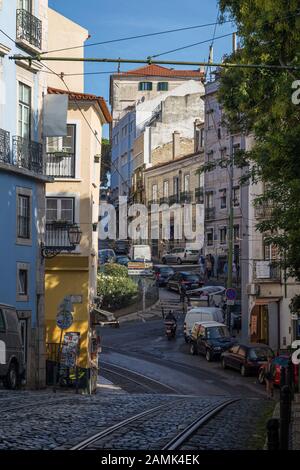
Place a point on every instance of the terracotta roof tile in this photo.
(159, 71)
(84, 97)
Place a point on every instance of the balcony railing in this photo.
(263, 211)
(4, 146)
(266, 271)
(186, 197)
(57, 236)
(164, 200)
(29, 29)
(60, 165)
(150, 203)
(210, 213)
(28, 154)
(174, 199)
(199, 195)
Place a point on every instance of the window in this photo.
(24, 113)
(223, 198)
(210, 237)
(209, 196)
(145, 86)
(24, 215)
(154, 193)
(116, 139)
(131, 127)
(223, 235)
(186, 183)
(23, 226)
(176, 185)
(210, 158)
(236, 148)
(271, 251)
(65, 144)
(210, 118)
(2, 322)
(60, 209)
(22, 282)
(202, 137)
(25, 5)
(166, 188)
(124, 130)
(236, 196)
(162, 86)
(236, 232)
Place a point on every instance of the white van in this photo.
(140, 253)
(199, 314)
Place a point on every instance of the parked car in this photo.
(105, 256)
(184, 280)
(199, 314)
(121, 247)
(247, 358)
(122, 259)
(210, 339)
(213, 295)
(162, 274)
(180, 255)
(12, 367)
(279, 362)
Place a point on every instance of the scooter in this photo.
(170, 329)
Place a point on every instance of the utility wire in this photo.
(190, 45)
(129, 38)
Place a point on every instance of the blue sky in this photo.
(109, 20)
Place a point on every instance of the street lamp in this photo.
(60, 237)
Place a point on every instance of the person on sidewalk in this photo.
(269, 378)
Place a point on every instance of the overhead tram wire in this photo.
(129, 38)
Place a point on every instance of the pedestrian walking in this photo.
(202, 266)
(269, 378)
(208, 268)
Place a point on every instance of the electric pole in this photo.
(230, 227)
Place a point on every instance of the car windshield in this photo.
(217, 332)
(259, 354)
(189, 277)
(193, 252)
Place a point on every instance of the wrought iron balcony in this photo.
(29, 29)
(4, 146)
(60, 165)
(266, 271)
(164, 200)
(210, 213)
(263, 211)
(199, 195)
(28, 154)
(174, 199)
(186, 197)
(60, 236)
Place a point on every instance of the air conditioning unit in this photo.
(253, 289)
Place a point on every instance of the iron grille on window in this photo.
(28, 154)
(29, 28)
(23, 222)
(60, 165)
(4, 146)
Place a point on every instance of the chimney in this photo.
(176, 145)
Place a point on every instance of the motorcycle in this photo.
(170, 329)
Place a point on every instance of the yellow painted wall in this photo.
(68, 276)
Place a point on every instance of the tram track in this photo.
(140, 420)
(145, 383)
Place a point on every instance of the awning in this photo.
(267, 300)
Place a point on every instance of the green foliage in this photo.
(105, 162)
(114, 269)
(259, 102)
(115, 287)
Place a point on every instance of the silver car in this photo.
(180, 255)
(11, 351)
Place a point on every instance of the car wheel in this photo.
(208, 355)
(223, 363)
(179, 261)
(261, 377)
(11, 379)
(244, 372)
(193, 350)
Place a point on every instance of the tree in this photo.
(105, 162)
(259, 102)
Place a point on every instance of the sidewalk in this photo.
(296, 423)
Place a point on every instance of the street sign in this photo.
(136, 268)
(230, 302)
(64, 320)
(231, 294)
